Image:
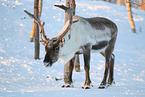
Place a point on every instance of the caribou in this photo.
(82, 36)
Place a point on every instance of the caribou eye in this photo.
(57, 48)
(54, 40)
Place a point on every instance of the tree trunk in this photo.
(76, 62)
(114, 1)
(142, 5)
(130, 16)
(67, 2)
(66, 66)
(111, 1)
(74, 7)
(32, 33)
(36, 29)
(39, 15)
(40, 8)
(108, 0)
(121, 2)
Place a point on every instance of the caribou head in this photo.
(52, 46)
(52, 51)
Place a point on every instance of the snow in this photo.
(23, 76)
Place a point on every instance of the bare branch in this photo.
(131, 2)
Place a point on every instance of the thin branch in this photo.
(131, 2)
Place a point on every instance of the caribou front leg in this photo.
(86, 54)
(77, 63)
(69, 79)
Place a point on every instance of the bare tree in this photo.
(36, 30)
(111, 1)
(32, 33)
(35, 27)
(39, 15)
(142, 5)
(66, 66)
(121, 2)
(136, 4)
(108, 0)
(75, 60)
(130, 16)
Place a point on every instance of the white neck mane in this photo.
(80, 37)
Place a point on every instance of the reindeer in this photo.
(86, 35)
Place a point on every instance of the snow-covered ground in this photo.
(22, 76)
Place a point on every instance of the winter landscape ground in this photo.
(23, 76)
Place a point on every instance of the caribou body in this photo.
(86, 35)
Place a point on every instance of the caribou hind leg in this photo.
(111, 71)
(103, 83)
(109, 64)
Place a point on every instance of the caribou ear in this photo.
(62, 41)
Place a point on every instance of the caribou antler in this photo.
(39, 23)
(67, 27)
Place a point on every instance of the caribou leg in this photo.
(69, 79)
(86, 55)
(111, 70)
(103, 83)
(109, 63)
(77, 63)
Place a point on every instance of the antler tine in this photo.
(42, 33)
(69, 10)
(39, 23)
(62, 7)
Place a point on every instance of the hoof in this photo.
(102, 87)
(87, 86)
(110, 84)
(113, 82)
(67, 86)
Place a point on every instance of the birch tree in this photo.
(136, 4)
(32, 33)
(142, 5)
(39, 15)
(121, 2)
(130, 16)
(76, 57)
(36, 30)
(112, 1)
(66, 66)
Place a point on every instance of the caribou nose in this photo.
(47, 64)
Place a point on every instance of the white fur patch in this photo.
(64, 28)
(81, 34)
